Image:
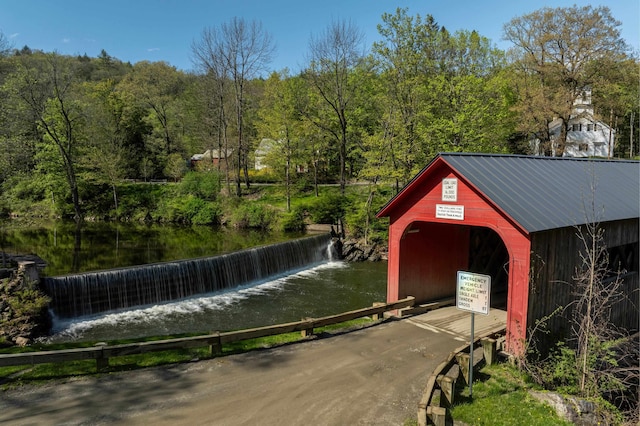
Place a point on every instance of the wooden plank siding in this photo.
(554, 261)
(517, 198)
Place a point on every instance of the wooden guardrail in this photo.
(442, 380)
(102, 353)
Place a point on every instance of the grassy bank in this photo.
(501, 398)
(202, 198)
(16, 375)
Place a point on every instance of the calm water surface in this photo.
(95, 246)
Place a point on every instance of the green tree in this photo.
(155, 87)
(555, 51)
(106, 153)
(48, 91)
(440, 92)
(334, 55)
(468, 115)
(281, 121)
(237, 51)
(616, 92)
(175, 167)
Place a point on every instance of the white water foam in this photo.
(74, 328)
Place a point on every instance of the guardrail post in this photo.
(307, 329)
(215, 348)
(448, 388)
(102, 362)
(489, 349)
(438, 415)
(422, 414)
(377, 317)
(463, 361)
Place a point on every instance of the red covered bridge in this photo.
(513, 218)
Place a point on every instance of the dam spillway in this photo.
(91, 293)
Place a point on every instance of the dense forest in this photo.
(77, 131)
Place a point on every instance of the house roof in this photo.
(542, 193)
(265, 146)
(209, 154)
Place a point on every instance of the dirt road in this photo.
(372, 376)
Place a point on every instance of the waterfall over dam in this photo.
(116, 289)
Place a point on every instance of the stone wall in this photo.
(24, 313)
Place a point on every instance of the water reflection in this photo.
(67, 248)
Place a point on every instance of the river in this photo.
(330, 288)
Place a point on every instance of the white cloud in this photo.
(153, 49)
(66, 40)
(14, 35)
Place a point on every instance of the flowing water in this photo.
(124, 288)
(312, 287)
(326, 289)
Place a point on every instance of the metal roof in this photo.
(542, 193)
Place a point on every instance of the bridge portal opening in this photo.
(432, 253)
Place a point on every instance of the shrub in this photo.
(138, 201)
(252, 216)
(189, 210)
(263, 176)
(329, 208)
(303, 185)
(293, 221)
(202, 184)
(356, 223)
(207, 214)
(31, 195)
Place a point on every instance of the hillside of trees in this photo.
(74, 128)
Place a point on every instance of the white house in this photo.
(586, 136)
(264, 148)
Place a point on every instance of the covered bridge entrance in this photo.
(503, 215)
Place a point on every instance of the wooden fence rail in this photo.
(102, 353)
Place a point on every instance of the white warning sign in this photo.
(474, 291)
(450, 189)
(450, 211)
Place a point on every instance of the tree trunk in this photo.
(115, 197)
(315, 177)
(238, 169)
(288, 176)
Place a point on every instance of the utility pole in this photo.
(631, 136)
(610, 153)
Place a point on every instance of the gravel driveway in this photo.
(371, 376)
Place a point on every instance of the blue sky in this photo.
(163, 30)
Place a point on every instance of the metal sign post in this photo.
(473, 316)
(473, 295)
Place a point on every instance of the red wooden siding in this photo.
(430, 259)
(424, 264)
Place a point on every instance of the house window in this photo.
(577, 127)
(583, 147)
(590, 127)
